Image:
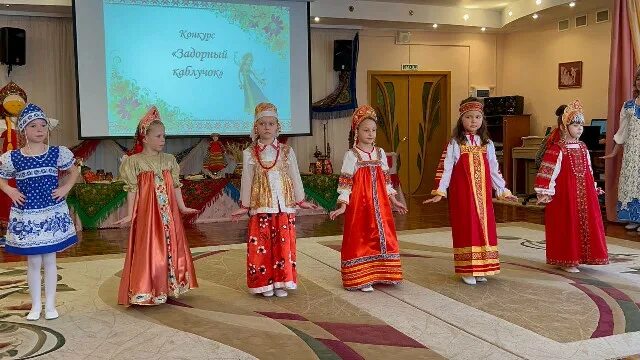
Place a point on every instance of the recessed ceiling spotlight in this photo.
(572, 4)
(535, 16)
(316, 19)
(510, 13)
(538, 2)
(466, 17)
(435, 26)
(483, 29)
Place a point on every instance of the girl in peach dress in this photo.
(158, 262)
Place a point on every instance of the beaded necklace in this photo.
(256, 150)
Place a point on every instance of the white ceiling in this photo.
(394, 14)
(551, 16)
(467, 4)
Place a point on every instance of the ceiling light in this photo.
(316, 19)
(510, 13)
(538, 2)
(572, 4)
(435, 26)
(483, 29)
(535, 16)
(466, 17)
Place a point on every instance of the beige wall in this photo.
(520, 63)
(528, 63)
(471, 58)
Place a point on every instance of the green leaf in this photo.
(426, 90)
(435, 121)
(396, 138)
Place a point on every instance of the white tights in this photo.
(36, 262)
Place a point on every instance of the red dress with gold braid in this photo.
(370, 252)
(466, 175)
(573, 221)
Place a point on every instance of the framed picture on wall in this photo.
(570, 75)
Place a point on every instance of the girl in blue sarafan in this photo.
(39, 220)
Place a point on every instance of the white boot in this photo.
(571, 269)
(367, 288)
(268, 293)
(34, 314)
(632, 226)
(281, 293)
(51, 314)
(469, 280)
(481, 279)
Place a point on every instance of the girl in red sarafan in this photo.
(467, 172)
(573, 222)
(370, 252)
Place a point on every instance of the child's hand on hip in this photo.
(61, 192)
(16, 196)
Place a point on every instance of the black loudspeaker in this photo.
(12, 46)
(342, 55)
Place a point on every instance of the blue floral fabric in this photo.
(41, 225)
(630, 212)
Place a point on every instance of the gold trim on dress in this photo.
(475, 249)
(478, 184)
(261, 193)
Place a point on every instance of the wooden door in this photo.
(428, 129)
(389, 96)
(413, 111)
